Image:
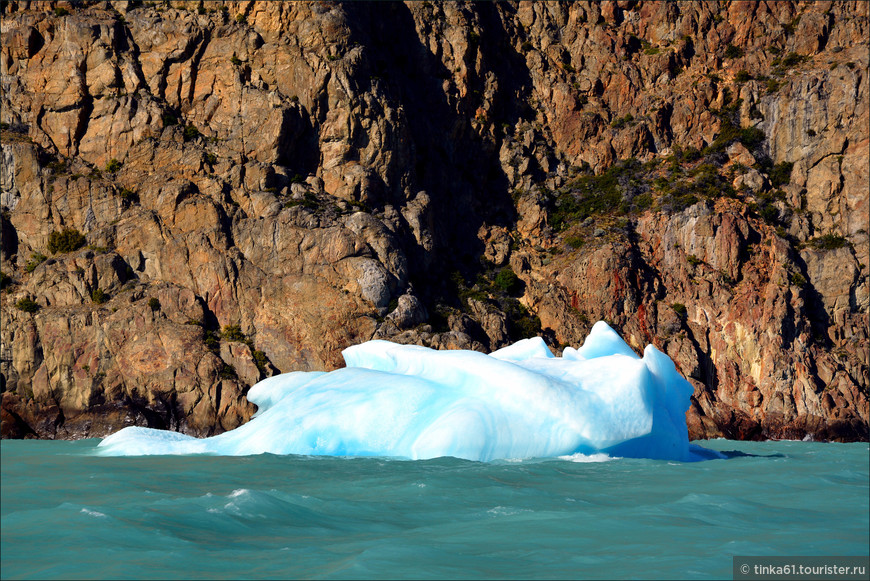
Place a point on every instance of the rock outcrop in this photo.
(258, 185)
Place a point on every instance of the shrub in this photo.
(751, 137)
(260, 359)
(67, 240)
(227, 372)
(61, 11)
(643, 201)
(733, 52)
(521, 323)
(507, 281)
(575, 241)
(169, 120)
(113, 165)
(129, 196)
(190, 132)
(99, 296)
(235, 60)
(622, 121)
(829, 242)
(241, 18)
(154, 304)
(35, 260)
(589, 194)
(211, 340)
(233, 333)
(792, 59)
(57, 166)
(27, 305)
(309, 201)
(210, 158)
(693, 260)
(797, 279)
(742, 76)
(680, 309)
(781, 174)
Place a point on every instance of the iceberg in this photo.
(413, 402)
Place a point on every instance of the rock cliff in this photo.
(197, 195)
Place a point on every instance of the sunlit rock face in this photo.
(413, 402)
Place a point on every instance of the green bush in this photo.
(521, 323)
(233, 333)
(781, 174)
(309, 201)
(190, 132)
(66, 240)
(589, 195)
(154, 304)
(680, 309)
(61, 11)
(792, 59)
(773, 86)
(829, 242)
(575, 241)
(113, 165)
(27, 305)
(241, 18)
(643, 201)
(211, 340)
(260, 360)
(236, 61)
(742, 76)
(227, 372)
(751, 137)
(129, 196)
(622, 121)
(733, 52)
(35, 260)
(507, 281)
(169, 120)
(693, 260)
(99, 296)
(797, 279)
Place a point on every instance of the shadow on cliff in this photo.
(457, 167)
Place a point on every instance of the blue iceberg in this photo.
(414, 402)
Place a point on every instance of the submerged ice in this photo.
(414, 402)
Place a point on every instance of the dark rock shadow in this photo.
(449, 160)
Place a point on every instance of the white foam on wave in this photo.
(587, 458)
(412, 402)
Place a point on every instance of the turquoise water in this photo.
(68, 514)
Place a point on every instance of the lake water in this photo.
(68, 514)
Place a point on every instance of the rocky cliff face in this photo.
(259, 185)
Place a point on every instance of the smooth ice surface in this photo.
(414, 402)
